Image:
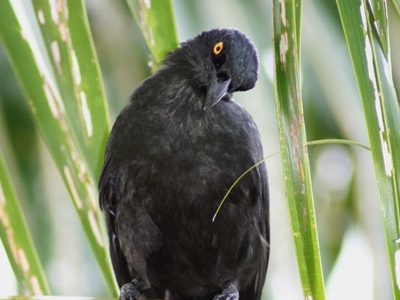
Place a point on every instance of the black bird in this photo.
(172, 154)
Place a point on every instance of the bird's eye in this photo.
(218, 48)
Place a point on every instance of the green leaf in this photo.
(156, 21)
(17, 241)
(58, 103)
(293, 142)
(379, 18)
(372, 69)
(75, 68)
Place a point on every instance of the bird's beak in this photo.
(216, 91)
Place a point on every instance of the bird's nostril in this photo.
(222, 76)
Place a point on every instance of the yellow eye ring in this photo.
(218, 48)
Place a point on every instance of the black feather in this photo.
(172, 154)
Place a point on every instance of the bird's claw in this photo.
(130, 291)
(229, 293)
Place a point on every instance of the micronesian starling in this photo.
(173, 152)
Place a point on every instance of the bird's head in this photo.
(217, 63)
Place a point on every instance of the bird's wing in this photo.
(107, 189)
(255, 290)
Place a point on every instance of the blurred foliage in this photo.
(346, 199)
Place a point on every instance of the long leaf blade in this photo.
(156, 21)
(21, 37)
(74, 64)
(372, 69)
(286, 25)
(16, 240)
